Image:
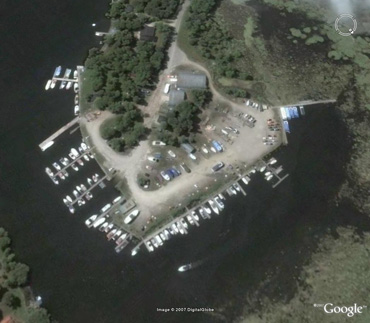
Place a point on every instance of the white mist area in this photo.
(349, 6)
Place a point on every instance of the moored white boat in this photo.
(130, 218)
(48, 84)
(219, 203)
(77, 110)
(69, 85)
(232, 190)
(245, 180)
(90, 220)
(57, 71)
(213, 206)
(98, 222)
(185, 268)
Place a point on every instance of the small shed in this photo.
(176, 97)
(147, 33)
(188, 80)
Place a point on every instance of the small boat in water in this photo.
(47, 86)
(69, 198)
(80, 162)
(74, 167)
(190, 219)
(213, 206)
(64, 161)
(90, 220)
(56, 166)
(77, 110)
(53, 83)
(89, 181)
(219, 203)
(207, 209)
(57, 71)
(69, 85)
(222, 197)
(134, 251)
(195, 215)
(76, 99)
(236, 186)
(98, 222)
(49, 172)
(232, 190)
(111, 234)
(75, 87)
(75, 74)
(185, 268)
(121, 238)
(109, 227)
(301, 109)
(103, 226)
(130, 218)
(84, 146)
(202, 213)
(71, 209)
(246, 180)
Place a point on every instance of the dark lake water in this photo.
(77, 273)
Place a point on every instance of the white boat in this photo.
(69, 85)
(57, 71)
(111, 234)
(134, 251)
(88, 196)
(86, 157)
(103, 226)
(64, 161)
(222, 197)
(232, 190)
(83, 188)
(76, 99)
(74, 167)
(213, 206)
(47, 145)
(121, 238)
(272, 161)
(118, 198)
(65, 173)
(159, 240)
(83, 146)
(149, 246)
(49, 172)
(47, 86)
(267, 174)
(237, 187)
(98, 222)
(79, 188)
(207, 209)
(62, 85)
(65, 201)
(262, 169)
(75, 74)
(174, 228)
(106, 207)
(80, 162)
(75, 193)
(56, 166)
(130, 218)
(72, 156)
(75, 152)
(190, 219)
(77, 110)
(180, 228)
(195, 215)
(202, 213)
(269, 177)
(89, 181)
(155, 243)
(109, 227)
(245, 180)
(90, 220)
(185, 225)
(185, 268)
(219, 203)
(69, 198)
(71, 209)
(53, 83)
(162, 236)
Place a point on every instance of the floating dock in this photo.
(55, 135)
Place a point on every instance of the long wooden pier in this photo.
(58, 133)
(65, 80)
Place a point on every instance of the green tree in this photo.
(11, 300)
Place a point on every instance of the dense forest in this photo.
(13, 280)
(126, 69)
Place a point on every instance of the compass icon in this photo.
(346, 24)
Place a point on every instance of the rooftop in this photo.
(147, 33)
(176, 97)
(188, 80)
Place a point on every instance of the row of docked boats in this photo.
(214, 205)
(80, 193)
(104, 224)
(66, 83)
(75, 161)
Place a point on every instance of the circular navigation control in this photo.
(345, 24)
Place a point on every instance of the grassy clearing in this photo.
(248, 31)
(86, 89)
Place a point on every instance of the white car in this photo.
(193, 157)
(153, 159)
(165, 176)
(205, 150)
(172, 154)
(158, 143)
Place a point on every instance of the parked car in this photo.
(158, 143)
(165, 175)
(172, 154)
(217, 167)
(185, 167)
(192, 156)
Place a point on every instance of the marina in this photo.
(179, 225)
